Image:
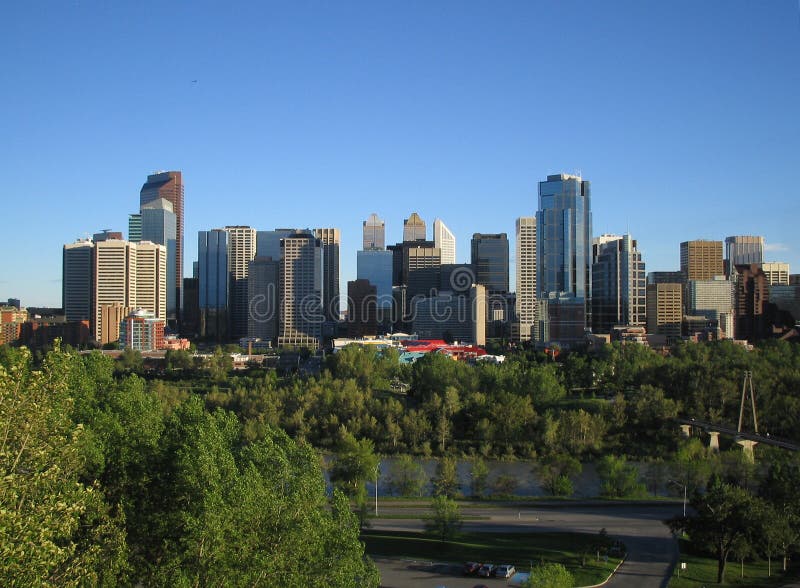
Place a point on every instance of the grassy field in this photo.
(702, 571)
(575, 550)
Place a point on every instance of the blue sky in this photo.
(682, 114)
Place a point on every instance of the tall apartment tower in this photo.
(665, 310)
(241, 251)
(330, 239)
(300, 295)
(169, 185)
(742, 250)
(114, 280)
(374, 233)
(490, 261)
(445, 241)
(151, 278)
(77, 279)
(618, 284)
(526, 277)
(413, 228)
(701, 260)
(564, 236)
(158, 224)
(213, 283)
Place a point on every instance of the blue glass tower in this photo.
(212, 257)
(564, 237)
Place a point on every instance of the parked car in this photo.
(505, 571)
(471, 568)
(486, 570)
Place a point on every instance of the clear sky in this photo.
(682, 114)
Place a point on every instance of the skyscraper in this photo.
(114, 280)
(526, 277)
(413, 228)
(374, 233)
(742, 250)
(777, 273)
(169, 185)
(564, 236)
(445, 241)
(134, 228)
(262, 296)
(77, 278)
(151, 278)
(490, 260)
(701, 260)
(213, 283)
(301, 315)
(665, 311)
(376, 267)
(241, 251)
(618, 284)
(330, 239)
(158, 224)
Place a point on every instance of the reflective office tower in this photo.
(751, 296)
(134, 228)
(374, 233)
(362, 309)
(169, 185)
(76, 283)
(743, 250)
(413, 228)
(618, 284)
(701, 260)
(524, 328)
(241, 251)
(262, 296)
(445, 240)
(330, 239)
(300, 292)
(665, 311)
(421, 266)
(452, 317)
(268, 243)
(713, 300)
(564, 237)
(376, 267)
(490, 261)
(213, 283)
(777, 273)
(158, 224)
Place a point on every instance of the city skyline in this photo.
(362, 108)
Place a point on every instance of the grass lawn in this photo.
(520, 549)
(702, 571)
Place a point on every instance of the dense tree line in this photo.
(618, 401)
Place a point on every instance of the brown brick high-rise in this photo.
(169, 185)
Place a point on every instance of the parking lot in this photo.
(400, 573)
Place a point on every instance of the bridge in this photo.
(744, 438)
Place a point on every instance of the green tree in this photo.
(54, 529)
(557, 472)
(724, 522)
(445, 481)
(445, 520)
(619, 479)
(549, 575)
(354, 464)
(130, 362)
(479, 475)
(406, 476)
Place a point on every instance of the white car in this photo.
(504, 571)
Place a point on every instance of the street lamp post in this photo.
(377, 469)
(679, 484)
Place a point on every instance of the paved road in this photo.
(651, 549)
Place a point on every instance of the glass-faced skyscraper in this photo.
(374, 233)
(564, 236)
(490, 260)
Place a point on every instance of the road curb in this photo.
(611, 575)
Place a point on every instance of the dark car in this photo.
(471, 568)
(486, 570)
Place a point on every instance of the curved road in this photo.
(652, 551)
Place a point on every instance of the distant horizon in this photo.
(683, 116)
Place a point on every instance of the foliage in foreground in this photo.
(196, 504)
(550, 575)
